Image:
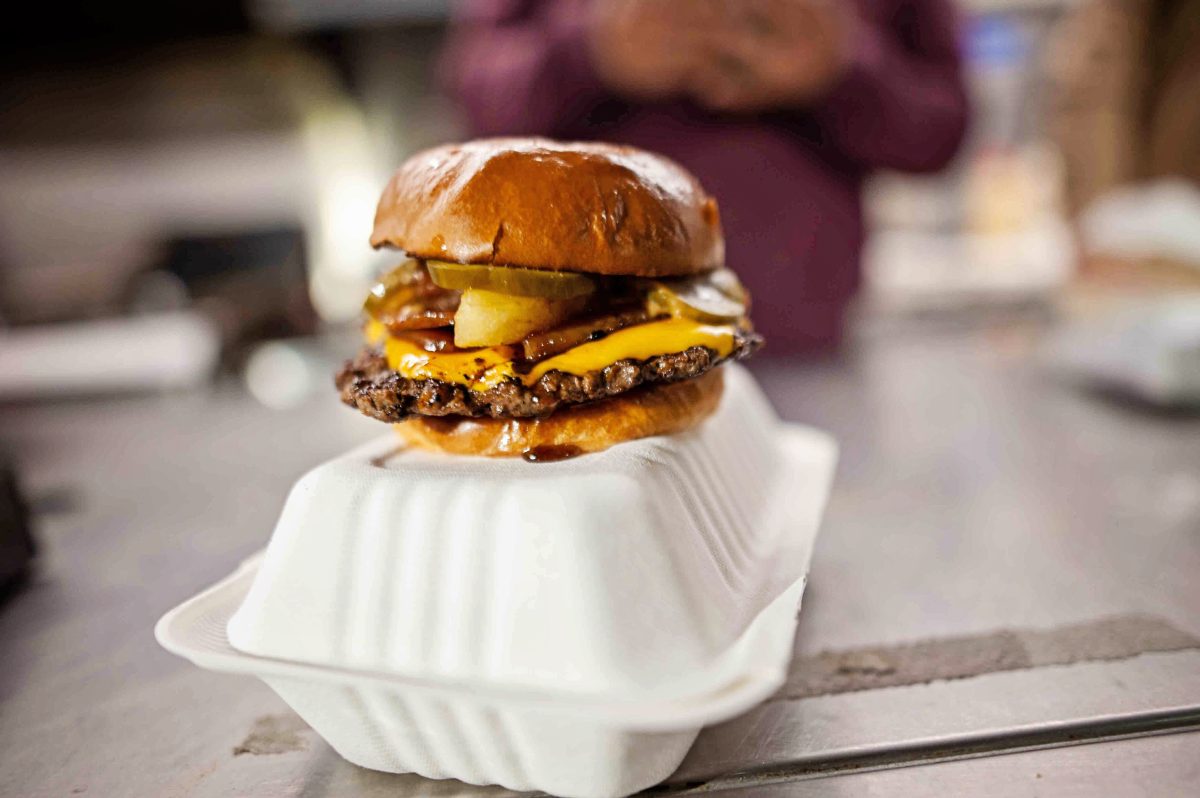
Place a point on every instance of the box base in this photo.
(440, 738)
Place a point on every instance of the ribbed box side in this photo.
(394, 732)
(627, 569)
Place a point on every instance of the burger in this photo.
(552, 299)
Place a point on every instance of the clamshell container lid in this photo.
(631, 571)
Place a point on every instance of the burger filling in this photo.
(473, 340)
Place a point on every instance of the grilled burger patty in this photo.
(370, 385)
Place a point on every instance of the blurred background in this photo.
(186, 192)
(972, 232)
(201, 179)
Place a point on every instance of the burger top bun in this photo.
(545, 204)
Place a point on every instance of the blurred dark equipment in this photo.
(210, 299)
(16, 539)
(107, 164)
(253, 284)
(77, 29)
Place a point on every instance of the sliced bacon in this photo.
(407, 299)
(415, 317)
(441, 340)
(541, 345)
(436, 340)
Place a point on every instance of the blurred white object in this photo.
(578, 621)
(344, 187)
(280, 376)
(163, 351)
(1014, 245)
(1157, 220)
(1152, 351)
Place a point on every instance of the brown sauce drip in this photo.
(550, 454)
(381, 461)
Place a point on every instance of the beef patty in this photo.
(370, 385)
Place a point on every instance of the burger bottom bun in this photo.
(657, 410)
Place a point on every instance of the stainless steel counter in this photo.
(1007, 566)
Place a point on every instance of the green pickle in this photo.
(511, 280)
(713, 298)
(400, 286)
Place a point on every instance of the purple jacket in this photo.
(788, 182)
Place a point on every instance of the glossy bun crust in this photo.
(659, 410)
(544, 204)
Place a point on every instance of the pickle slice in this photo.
(406, 299)
(511, 280)
(714, 298)
(401, 286)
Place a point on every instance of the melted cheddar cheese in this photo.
(640, 342)
(483, 368)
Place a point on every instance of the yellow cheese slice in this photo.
(486, 367)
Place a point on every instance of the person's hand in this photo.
(648, 49)
(769, 54)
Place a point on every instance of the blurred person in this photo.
(782, 107)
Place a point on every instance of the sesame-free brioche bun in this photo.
(542, 204)
(658, 410)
